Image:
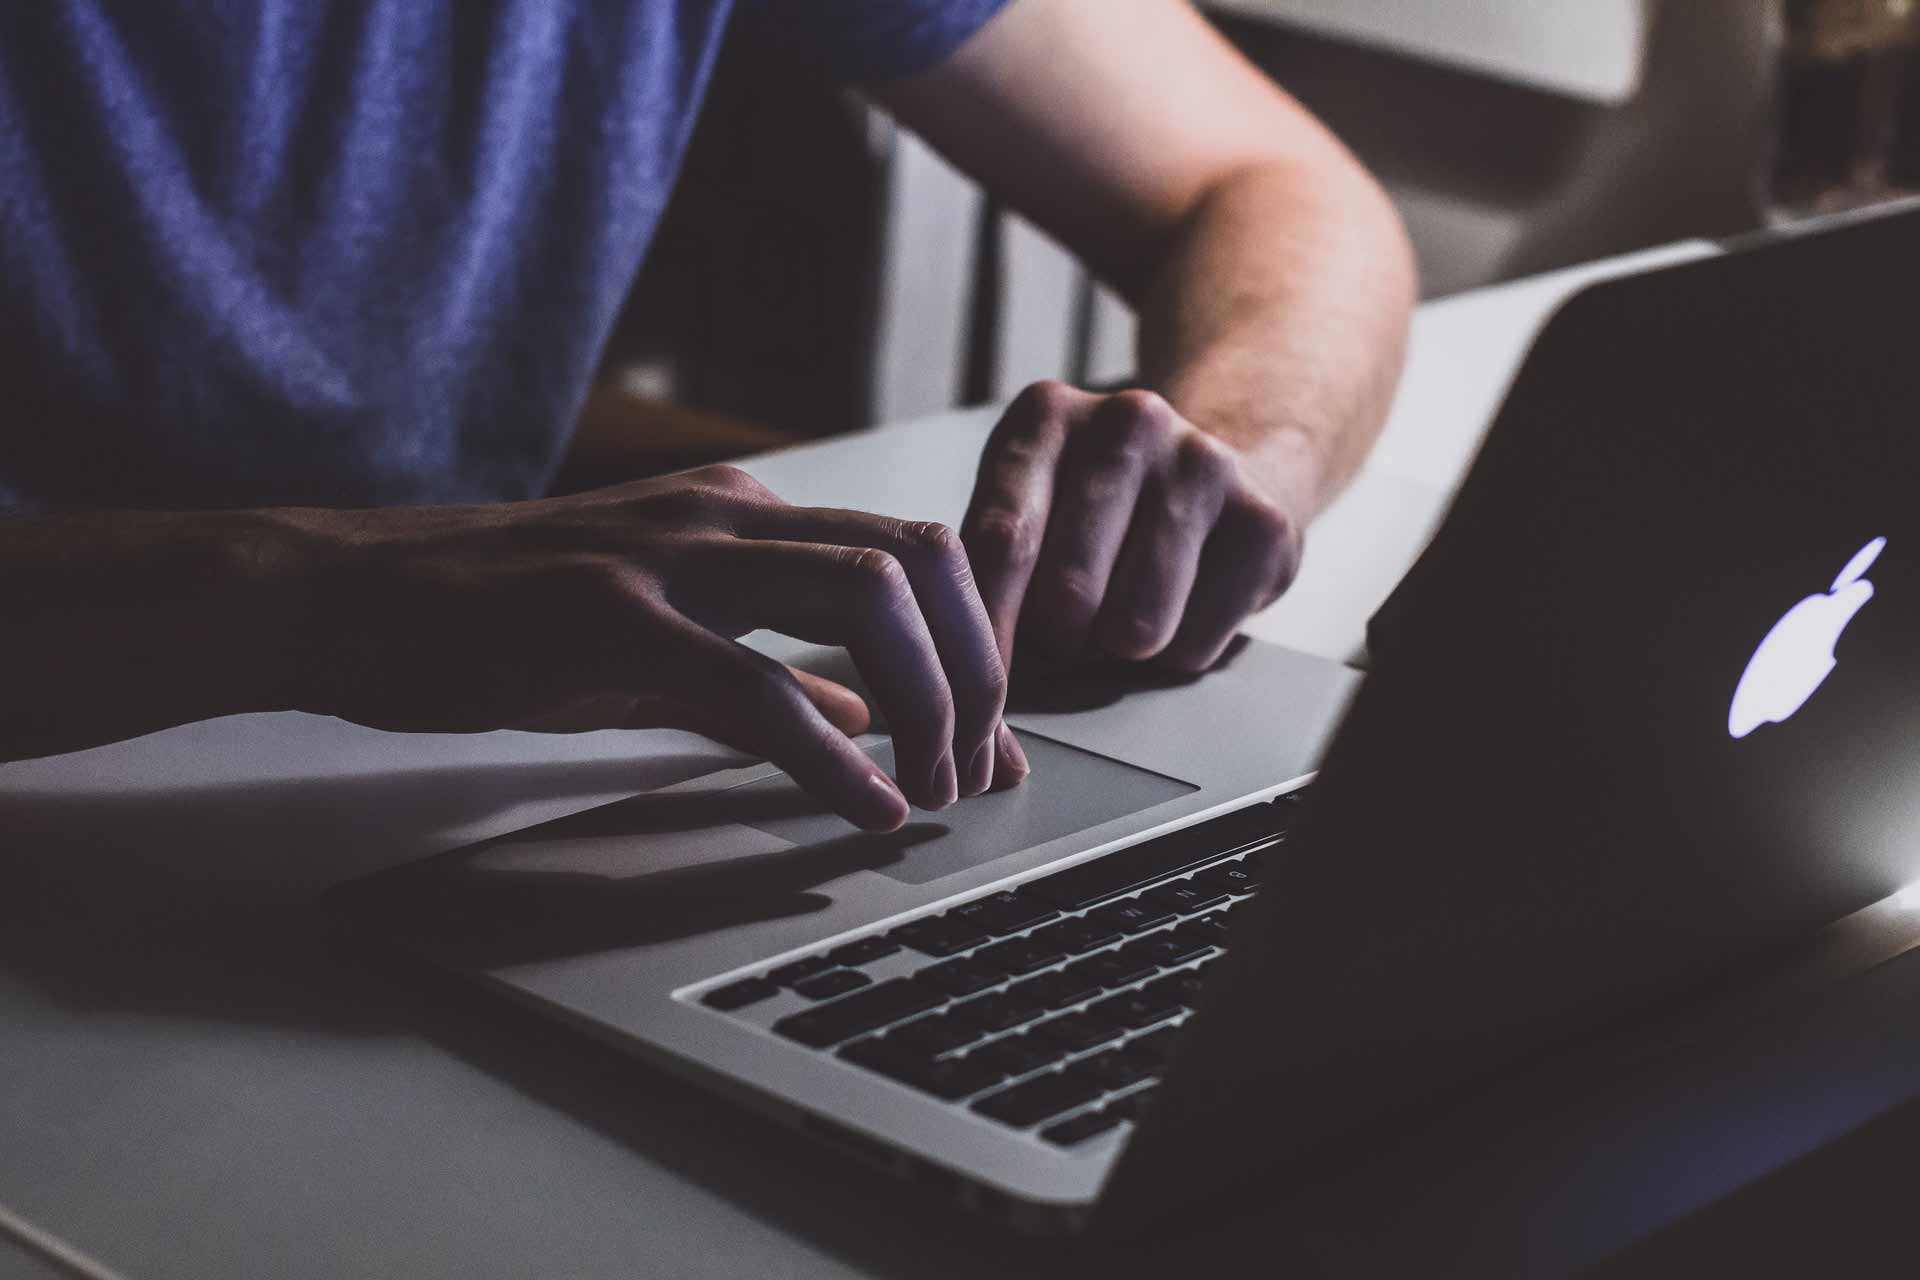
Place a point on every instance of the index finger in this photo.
(859, 598)
(1006, 520)
(944, 589)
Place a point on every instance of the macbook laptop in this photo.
(1641, 716)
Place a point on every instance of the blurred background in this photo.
(821, 271)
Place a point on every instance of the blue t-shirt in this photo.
(346, 252)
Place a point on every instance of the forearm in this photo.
(1276, 318)
(118, 623)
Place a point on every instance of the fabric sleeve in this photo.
(854, 40)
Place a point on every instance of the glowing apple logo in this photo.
(1797, 654)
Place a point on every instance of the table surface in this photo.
(1591, 51)
(202, 1079)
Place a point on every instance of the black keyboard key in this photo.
(1134, 1009)
(1000, 1011)
(865, 951)
(1017, 1055)
(1140, 953)
(937, 937)
(1166, 949)
(861, 1012)
(1075, 936)
(834, 982)
(959, 977)
(1111, 969)
(738, 995)
(1017, 958)
(1228, 877)
(1057, 990)
(1117, 1068)
(1262, 861)
(1076, 1129)
(1031, 1101)
(931, 1037)
(1182, 988)
(1130, 916)
(1150, 860)
(1001, 913)
(1134, 1105)
(1076, 1031)
(1183, 897)
(949, 1078)
(788, 974)
(1210, 929)
(1155, 1047)
(869, 1050)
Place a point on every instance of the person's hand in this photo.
(620, 608)
(1110, 525)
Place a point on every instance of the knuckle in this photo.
(1010, 455)
(1202, 461)
(994, 686)
(874, 569)
(944, 550)
(1141, 405)
(1135, 427)
(1004, 536)
(1048, 398)
(729, 482)
(938, 724)
(933, 541)
(1177, 506)
(1267, 525)
(722, 475)
(1075, 592)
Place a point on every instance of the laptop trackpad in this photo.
(1070, 790)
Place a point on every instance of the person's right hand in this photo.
(620, 608)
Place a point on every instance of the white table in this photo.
(198, 1082)
(1592, 50)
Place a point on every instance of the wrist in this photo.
(1293, 467)
(1291, 463)
(277, 564)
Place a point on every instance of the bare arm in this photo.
(117, 623)
(1274, 285)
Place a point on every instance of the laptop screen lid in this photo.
(1648, 706)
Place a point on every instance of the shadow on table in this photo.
(200, 902)
(550, 901)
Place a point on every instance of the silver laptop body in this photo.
(635, 920)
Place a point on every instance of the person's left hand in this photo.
(1110, 525)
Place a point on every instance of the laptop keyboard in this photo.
(1050, 1007)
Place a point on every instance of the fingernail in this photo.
(1010, 749)
(980, 769)
(888, 808)
(946, 782)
